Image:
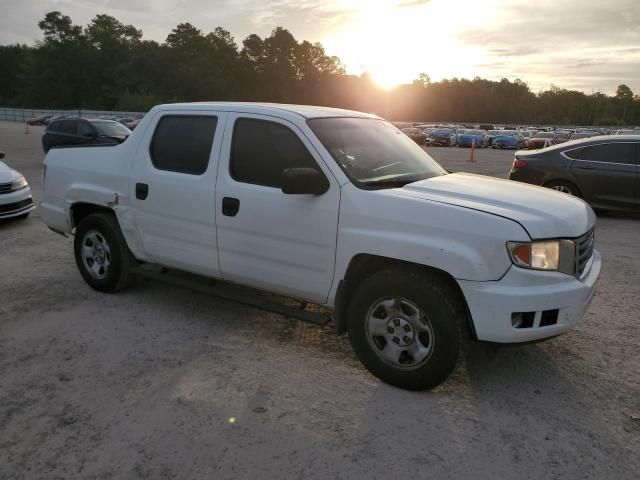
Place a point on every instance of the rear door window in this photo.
(182, 143)
(606, 153)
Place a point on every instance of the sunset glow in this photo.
(396, 41)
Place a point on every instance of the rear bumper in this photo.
(492, 303)
(16, 203)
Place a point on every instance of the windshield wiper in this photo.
(393, 182)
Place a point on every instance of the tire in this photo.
(381, 308)
(564, 187)
(101, 253)
(24, 216)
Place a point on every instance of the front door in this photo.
(266, 238)
(172, 190)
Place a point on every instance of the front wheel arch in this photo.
(364, 265)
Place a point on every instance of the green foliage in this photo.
(107, 65)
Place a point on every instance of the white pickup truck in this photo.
(337, 208)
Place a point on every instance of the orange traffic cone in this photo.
(26, 128)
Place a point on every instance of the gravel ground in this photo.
(159, 382)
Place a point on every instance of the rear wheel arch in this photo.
(80, 210)
(564, 182)
(364, 265)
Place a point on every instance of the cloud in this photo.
(585, 63)
(413, 3)
(546, 40)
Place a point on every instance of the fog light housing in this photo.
(522, 319)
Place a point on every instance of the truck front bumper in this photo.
(550, 302)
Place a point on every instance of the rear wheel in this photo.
(406, 327)
(101, 253)
(564, 187)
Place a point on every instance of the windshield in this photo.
(472, 132)
(373, 153)
(111, 129)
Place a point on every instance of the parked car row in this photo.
(510, 137)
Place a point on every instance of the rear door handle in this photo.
(586, 167)
(142, 191)
(230, 206)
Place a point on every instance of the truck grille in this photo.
(584, 251)
(5, 188)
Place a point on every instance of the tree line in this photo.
(107, 65)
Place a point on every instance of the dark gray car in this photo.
(604, 170)
(82, 131)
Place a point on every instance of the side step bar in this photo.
(203, 285)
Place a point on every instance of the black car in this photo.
(415, 134)
(604, 170)
(82, 131)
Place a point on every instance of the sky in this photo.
(575, 44)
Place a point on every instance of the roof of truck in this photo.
(306, 111)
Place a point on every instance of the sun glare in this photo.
(396, 41)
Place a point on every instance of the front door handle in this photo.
(230, 206)
(586, 167)
(142, 190)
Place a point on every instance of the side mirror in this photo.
(1, 155)
(303, 181)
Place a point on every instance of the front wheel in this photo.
(406, 327)
(101, 253)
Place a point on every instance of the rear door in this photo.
(172, 190)
(606, 173)
(268, 239)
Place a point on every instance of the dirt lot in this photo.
(158, 382)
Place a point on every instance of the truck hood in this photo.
(7, 174)
(542, 212)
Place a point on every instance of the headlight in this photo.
(19, 184)
(553, 255)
